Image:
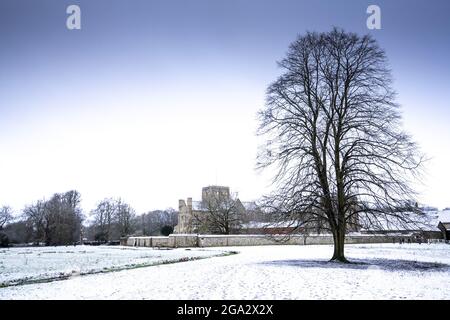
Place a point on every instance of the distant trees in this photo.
(56, 221)
(166, 230)
(65, 213)
(18, 232)
(103, 219)
(5, 216)
(334, 137)
(35, 216)
(125, 216)
(59, 221)
(113, 219)
(152, 222)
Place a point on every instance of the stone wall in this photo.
(194, 240)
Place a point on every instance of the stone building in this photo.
(190, 212)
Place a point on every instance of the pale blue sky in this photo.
(152, 100)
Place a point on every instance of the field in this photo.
(379, 271)
(43, 264)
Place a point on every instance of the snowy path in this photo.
(269, 272)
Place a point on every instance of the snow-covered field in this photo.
(383, 271)
(25, 265)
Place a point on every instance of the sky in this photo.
(153, 100)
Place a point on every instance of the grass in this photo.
(63, 276)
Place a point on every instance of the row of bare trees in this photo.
(113, 219)
(59, 221)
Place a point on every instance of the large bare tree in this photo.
(334, 138)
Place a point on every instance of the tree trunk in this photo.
(339, 241)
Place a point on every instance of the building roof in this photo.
(427, 222)
(444, 216)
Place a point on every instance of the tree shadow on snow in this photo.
(363, 264)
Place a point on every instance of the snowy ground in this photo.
(25, 265)
(384, 271)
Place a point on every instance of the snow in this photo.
(384, 271)
(434, 217)
(444, 216)
(39, 263)
(426, 222)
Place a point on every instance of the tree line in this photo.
(61, 221)
(51, 222)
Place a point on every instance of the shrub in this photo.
(101, 236)
(166, 230)
(4, 240)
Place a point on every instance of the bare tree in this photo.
(18, 232)
(104, 217)
(220, 214)
(35, 215)
(56, 221)
(113, 219)
(125, 215)
(5, 216)
(334, 138)
(63, 215)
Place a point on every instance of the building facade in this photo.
(215, 199)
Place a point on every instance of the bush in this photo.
(4, 240)
(101, 237)
(166, 230)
